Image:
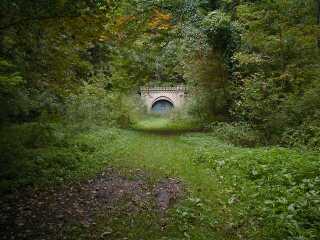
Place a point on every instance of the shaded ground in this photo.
(48, 214)
(232, 192)
(166, 127)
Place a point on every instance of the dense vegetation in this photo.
(70, 71)
(247, 62)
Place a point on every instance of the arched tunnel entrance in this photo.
(163, 99)
(162, 106)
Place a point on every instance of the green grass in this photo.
(232, 192)
(165, 125)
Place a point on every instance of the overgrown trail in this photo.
(233, 192)
(165, 150)
(167, 181)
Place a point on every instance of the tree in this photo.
(318, 19)
(278, 64)
(47, 43)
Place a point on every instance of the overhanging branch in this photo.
(41, 18)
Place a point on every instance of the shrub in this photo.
(240, 134)
(273, 192)
(25, 157)
(94, 106)
(305, 136)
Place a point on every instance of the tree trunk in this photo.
(235, 4)
(318, 19)
(283, 60)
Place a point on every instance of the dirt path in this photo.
(37, 214)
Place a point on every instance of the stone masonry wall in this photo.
(175, 95)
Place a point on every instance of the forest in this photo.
(81, 156)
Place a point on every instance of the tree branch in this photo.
(39, 18)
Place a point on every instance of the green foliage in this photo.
(173, 123)
(20, 166)
(239, 134)
(69, 73)
(11, 89)
(207, 63)
(43, 53)
(232, 192)
(38, 155)
(278, 70)
(95, 106)
(273, 192)
(9, 78)
(305, 136)
(221, 32)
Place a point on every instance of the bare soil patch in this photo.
(38, 214)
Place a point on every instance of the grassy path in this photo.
(231, 192)
(164, 150)
(234, 192)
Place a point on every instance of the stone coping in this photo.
(163, 88)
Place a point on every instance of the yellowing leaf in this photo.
(160, 21)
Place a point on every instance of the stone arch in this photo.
(173, 95)
(162, 98)
(162, 105)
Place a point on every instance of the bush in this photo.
(25, 157)
(36, 154)
(94, 106)
(274, 192)
(305, 136)
(240, 134)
